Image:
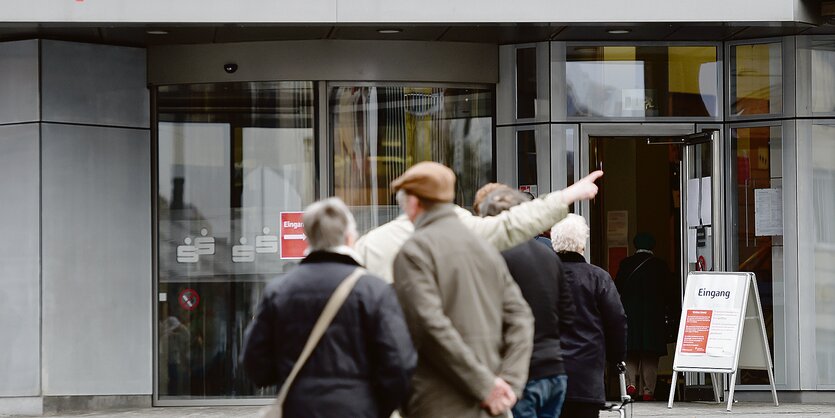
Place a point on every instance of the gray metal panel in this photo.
(96, 260)
(325, 60)
(506, 89)
(19, 81)
(19, 261)
(94, 84)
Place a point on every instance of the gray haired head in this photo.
(328, 223)
(501, 200)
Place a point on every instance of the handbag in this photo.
(275, 409)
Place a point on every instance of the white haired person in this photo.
(599, 332)
(363, 363)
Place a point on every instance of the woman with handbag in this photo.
(328, 333)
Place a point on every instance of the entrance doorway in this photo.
(640, 193)
(658, 186)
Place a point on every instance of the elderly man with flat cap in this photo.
(470, 324)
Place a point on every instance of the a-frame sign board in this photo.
(721, 330)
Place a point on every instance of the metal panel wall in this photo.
(446, 62)
(374, 11)
(94, 84)
(19, 261)
(96, 260)
(19, 82)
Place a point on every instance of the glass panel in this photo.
(379, 132)
(823, 75)
(641, 81)
(756, 222)
(232, 157)
(526, 83)
(756, 79)
(526, 160)
(823, 190)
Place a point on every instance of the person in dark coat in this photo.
(538, 272)
(599, 332)
(363, 364)
(641, 281)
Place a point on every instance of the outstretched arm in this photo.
(523, 222)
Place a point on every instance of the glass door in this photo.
(231, 158)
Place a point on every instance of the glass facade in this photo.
(231, 158)
(757, 225)
(641, 81)
(823, 246)
(756, 79)
(377, 132)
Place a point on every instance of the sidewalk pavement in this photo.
(643, 409)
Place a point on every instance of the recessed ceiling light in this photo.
(156, 32)
(389, 31)
(619, 31)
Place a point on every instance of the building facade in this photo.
(151, 165)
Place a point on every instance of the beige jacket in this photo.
(467, 317)
(512, 227)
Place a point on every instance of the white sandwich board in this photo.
(721, 330)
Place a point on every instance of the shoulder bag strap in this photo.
(637, 268)
(325, 318)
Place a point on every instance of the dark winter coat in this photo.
(362, 365)
(642, 292)
(538, 272)
(599, 332)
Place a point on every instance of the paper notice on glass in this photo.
(691, 245)
(693, 188)
(617, 228)
(768, 212)
(724, 328)
(705, 206)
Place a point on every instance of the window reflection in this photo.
(823, 190)
(823, 75)
(758, 249)
(231, 157)
(379, 132)
(756, 79)
(641, 81)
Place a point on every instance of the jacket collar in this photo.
(324, 256)
(440, 211)
(572, 257)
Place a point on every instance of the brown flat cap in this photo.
(427, 180)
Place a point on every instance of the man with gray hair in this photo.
(471, 327)
(364, 362)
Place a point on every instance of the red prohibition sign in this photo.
(701, 264)
(188, 299)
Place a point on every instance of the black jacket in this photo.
(599, 331)
(538, 272)
(642, 281)
(362, 365)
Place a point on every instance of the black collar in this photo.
(329, 257)
(571, 257)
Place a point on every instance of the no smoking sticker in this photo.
(189, 299)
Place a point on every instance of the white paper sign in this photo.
(693, 188)
(768, 212)
(706, 204)
(617, 228)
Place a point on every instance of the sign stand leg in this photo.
(731, 392)
(672, 389)
(773, 386)
(714, 378)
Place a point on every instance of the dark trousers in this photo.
(580, 410)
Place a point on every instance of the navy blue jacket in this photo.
(538, 272)
(599, 331)
(362, 365)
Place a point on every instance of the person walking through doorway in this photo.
(640, 281)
